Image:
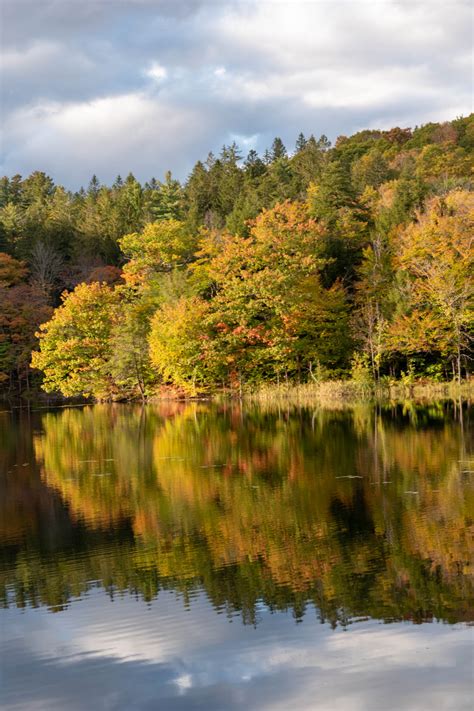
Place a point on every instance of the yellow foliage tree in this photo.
(436, 260)
(75, 345)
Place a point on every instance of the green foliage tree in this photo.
(333, 192)
(278, 149)
(160, 247)
(374, 300)
(130, 364)
(307, 164)
(300, 143)
(166, 200)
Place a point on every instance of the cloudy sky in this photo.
(109, 86)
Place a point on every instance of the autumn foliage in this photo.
(351, 261)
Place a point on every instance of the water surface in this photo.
(204, 556)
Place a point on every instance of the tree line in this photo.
(353, 260)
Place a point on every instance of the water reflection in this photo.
(125, 656)
(352, 513)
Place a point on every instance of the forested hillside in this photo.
(303, 264)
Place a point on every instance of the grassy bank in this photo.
(349, 391)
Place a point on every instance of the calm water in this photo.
(194, 556)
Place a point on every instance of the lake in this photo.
(228, 556)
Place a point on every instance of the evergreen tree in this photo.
(324, 143)
(333, 191)
(254, 165)
(307, 164)
(267, 157)
(166, 201)
(300, 143)
(94, 187)
(278, 149)
(230, 180)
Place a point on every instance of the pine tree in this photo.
(278, 149)
(333, 191)
(167, 200)
(94, 187)
(254, 165)
(300, 143)
(324, 143)
(267, 157)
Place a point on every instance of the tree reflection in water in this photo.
(362, 512)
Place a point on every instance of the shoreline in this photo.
(325, 393)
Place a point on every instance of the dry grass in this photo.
(347, 392)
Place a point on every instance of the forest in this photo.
(319, 262)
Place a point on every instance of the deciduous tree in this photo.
(76, 346)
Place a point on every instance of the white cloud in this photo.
(111, 135)
(349, 54)
(157, 72)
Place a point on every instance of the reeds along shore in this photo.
(327, 393)
(348, 391)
